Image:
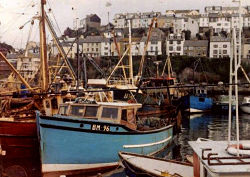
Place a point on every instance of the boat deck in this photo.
(220, 161)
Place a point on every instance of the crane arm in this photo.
(145, 48)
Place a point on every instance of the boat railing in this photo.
(120, 81)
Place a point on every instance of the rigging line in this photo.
(54, 17)
(16, 19)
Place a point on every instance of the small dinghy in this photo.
(140, 165)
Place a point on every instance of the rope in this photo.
(54, 17)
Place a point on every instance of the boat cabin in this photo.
(246, 100)
(114, 112)
(210, 158)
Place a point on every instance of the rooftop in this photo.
(196, 43)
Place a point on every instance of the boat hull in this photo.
(245, 108)
(18, 128)
(196, 104)
(69, 144)
(147, 166)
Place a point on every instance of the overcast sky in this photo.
(15, 13)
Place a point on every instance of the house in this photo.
(154, 45)
(220, 22)
(91, 45)
(174, 44)
(106, 47)
(246, 48)
(28, 66)
(196, 48)
(164, 21)
(203, 21)
(219, 47)
(68, 44)
(91, 21)
(186, 23)
(182, 13)
(213, 9)
(4, 68)
(110, 33)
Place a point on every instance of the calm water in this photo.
(209, 126)
(22, 159)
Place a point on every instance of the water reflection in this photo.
(209, 126)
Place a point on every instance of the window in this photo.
(152, 48)
(87, 49)
(106, 48)
(63, 110)
(224, 51)
(170, 42)
(96, 49)
(224, 46)
(219, 24)
(77, 110)
(178, 48)
(215, 51)
(214, 56)
(110, 113)
(170, 48)
(201, 99)
(91, 111)
(124, 115)
(178, 42)
(215, 46)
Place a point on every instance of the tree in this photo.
(187, 34)
(69, 32)
(223, 33)
(198, 36)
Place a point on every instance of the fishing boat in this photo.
(209, 159)
(146, 166)
(245, 105)
(199, 102)
(86, 136)
(222, 104)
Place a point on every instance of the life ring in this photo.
(244, 149)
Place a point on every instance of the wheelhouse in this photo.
(120, 113)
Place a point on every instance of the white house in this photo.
(219, 47)
(186, 23)
(174, 44)
(91, 45)
(28, 66)
(154, 45)
(220, 22)
(204, 21)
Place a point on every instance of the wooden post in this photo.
(43, 49)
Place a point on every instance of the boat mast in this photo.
(235, 64)
(131, 77)
(43, 50)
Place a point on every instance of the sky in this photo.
(15, 13)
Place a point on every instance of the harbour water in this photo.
(20, 157)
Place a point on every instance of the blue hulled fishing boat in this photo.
(86, 136)
(199, 102)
